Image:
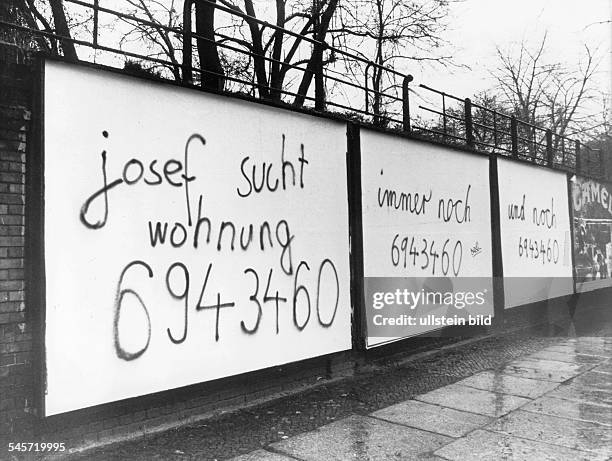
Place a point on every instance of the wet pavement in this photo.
(490, 415)
(521, 396)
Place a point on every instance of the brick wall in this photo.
(16, 374)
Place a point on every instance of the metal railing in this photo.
(459, 121)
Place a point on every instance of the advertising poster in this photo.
(592, 210)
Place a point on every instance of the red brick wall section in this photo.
(16, 374)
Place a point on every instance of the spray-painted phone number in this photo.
(300, 300)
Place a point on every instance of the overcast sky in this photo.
(478, 26)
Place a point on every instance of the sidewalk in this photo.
(555, 404)
(525, 395)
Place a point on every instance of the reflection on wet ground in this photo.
(362, 437)
(555, 404)
(522, 396)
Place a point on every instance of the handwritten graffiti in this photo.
(133, 173)
(266, 169)
(545, 217)
(517, 212)
(227, 234)
(535, 248)
(425, 253)
(529, 249)
(457, 208)
(221, 235)
(301, 300)
(415, 203)
(475, 250)
(119, 297)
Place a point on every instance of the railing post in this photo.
(578, 157)
(549, 148)
(318, 55)
(96, 7)
(366, 88)
(187, 51)
(495, 141)
(444, 124)
(514, 136)
(469, 126)
(406, 103)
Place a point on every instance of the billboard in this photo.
(426, 236)
(188, 237)
(535, 233)
(592, 214)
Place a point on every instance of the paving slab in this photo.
(554, 365)
(570, 357)
(578, 435)
(473, 400)
(556, 376)
(601, 414)
(433, 418)
(483, 445)
(595, 379)
(362, 438)
(588, 340)
(580, 393)
(262, 455)
(601, 350)
(605, 367)
(498, 382)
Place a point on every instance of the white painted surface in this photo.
(527, 277)
(149, 121)
(411, 167)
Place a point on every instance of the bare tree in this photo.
(34, 15)
(321, 20)
(159, 36)
(567, 93)
(62, 29)
(210, 63)
(392, 34)
(275, 53)
(18, 12)
(551, 95)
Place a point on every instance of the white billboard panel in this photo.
(535, 233)
(188, 237)
(426, 215)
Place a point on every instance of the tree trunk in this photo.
(377, 74)
(275, 66)
(213, 76)
(316, 60)
(259, 62)
(61, 28)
